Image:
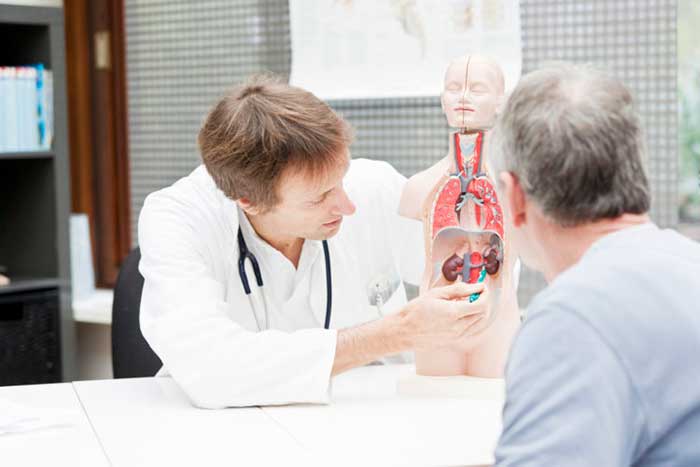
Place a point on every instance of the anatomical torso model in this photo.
(463, 220)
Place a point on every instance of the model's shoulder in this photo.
(427, 178)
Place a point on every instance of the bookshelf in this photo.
(35, 210)
(26, 155)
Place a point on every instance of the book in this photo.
(27, 121)
(30, 104)
(47, 100)
(41, 105)
(12, 131)
(21, 112)
(3, 109)
(26, 108)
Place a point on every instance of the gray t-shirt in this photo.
(606, 368)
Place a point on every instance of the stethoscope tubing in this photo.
(244, 253)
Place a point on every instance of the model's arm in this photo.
(435, 319)
(419, 186)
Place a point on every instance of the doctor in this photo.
(279, 263)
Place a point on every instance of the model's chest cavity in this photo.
(466, 221)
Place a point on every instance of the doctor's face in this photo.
(312, 207)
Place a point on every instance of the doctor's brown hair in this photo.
(263, 127)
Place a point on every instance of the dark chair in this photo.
(132, 357)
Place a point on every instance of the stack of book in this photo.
(26, 108)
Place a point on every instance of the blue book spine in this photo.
(23, 116)
(12, 143)
(40, 109)
(48, 106)
(3, 110)
(33, 143)
(20, 110)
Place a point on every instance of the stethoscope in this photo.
(244, 253)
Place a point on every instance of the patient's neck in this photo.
(564, 246)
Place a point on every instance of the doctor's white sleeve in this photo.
(184, 318)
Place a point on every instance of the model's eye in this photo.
(453, 87)
(479, 89)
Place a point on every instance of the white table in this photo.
(72, 444)
(369, 424)
(150, 422)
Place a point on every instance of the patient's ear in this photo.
(513, 198)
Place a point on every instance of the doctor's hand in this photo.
(433, 320)
(444, 314)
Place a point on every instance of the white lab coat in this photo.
(197, 318)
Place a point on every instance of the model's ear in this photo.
(513, 198)
(248, 207)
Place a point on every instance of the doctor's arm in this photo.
(217, 363)
(185, 319)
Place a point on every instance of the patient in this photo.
(604, 371)
(463, 222)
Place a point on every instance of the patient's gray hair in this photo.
(571, 136)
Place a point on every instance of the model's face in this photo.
(311, 208)
(472, 94)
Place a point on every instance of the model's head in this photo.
(473, 92)
(275, 148)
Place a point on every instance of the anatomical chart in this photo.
(396, 48)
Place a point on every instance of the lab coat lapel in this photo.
(314, 285)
